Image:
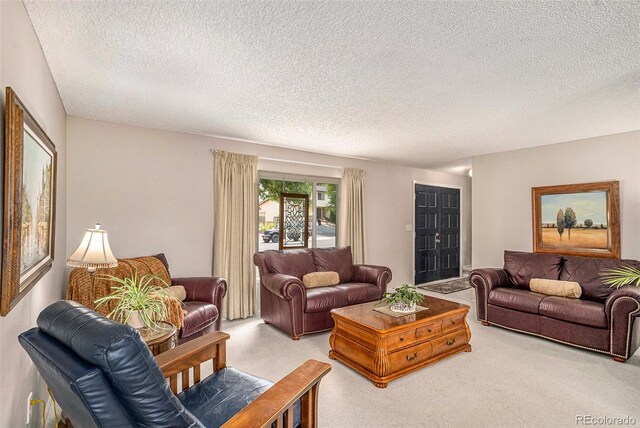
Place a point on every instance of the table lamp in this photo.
(94, 251)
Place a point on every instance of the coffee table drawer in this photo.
(453, 323)
(450, 341)
(427, 331)
(400, 340)
(409, 357)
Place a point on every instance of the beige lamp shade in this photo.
(94, 251)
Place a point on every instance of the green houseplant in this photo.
(403, 299)
(138, 302)
(621, 276)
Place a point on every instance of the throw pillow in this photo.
(177, 291)
(552, 287)
(321, 279)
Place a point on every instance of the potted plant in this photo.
(619, 277)
(403, 299)
(138, 302)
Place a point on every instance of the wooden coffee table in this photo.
(383, 348)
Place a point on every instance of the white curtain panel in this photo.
(235, 228)
(351, 207)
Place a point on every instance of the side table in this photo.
(160, 340)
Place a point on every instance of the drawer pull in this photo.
(451, 341)
(402, 339)
(453, 322)
(421, 330)
(415, 355)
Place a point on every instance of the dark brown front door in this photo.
(437, 233)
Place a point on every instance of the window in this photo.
(322, 208)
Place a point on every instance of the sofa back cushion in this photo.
(124, 358)
(297, 263)
(521, 267)
(336, 260)
(586, 272)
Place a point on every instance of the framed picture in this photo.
(29, 203)
(577, 219)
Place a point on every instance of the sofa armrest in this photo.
(484, 280)
(301, 384)
(208, 289)
(378, 275)
(622, 307)
(632, 294)
(284, 286)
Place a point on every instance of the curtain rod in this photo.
(213, 151)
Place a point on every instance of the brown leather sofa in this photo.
(287, 304)
(603, 319)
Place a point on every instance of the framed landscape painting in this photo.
(29, 203)
(577, 219)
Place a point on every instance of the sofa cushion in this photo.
(290, 262)
(586, 272)
(519, 300)
(576, 311)
(320, 279)
(124, 359)
(79, 387)
(199, 316)
(521, 267)
(360, 292)
(554, 287)
(221, 395)
(177, 292)
(323, 299)
(334, 259)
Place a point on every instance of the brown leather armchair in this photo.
(202, 306)
(288, 305)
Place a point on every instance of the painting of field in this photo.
(577, 219)
(580, 238)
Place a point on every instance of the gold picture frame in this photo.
(30, 170)
(588, 211)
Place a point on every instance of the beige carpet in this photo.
(509, 380)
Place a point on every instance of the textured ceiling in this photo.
(416, 83)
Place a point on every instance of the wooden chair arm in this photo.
(302, 383)
(190, 355)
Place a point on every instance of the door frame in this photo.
(413, 226)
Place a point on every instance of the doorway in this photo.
(437, 233)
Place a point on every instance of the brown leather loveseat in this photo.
(603, 319)
(287, 304)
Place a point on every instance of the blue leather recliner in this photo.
(103, 375)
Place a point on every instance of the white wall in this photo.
(153, 191)
(24, 68)
(502, 185)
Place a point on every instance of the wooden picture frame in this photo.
(590, 210)
(30, 171)
(283, 242)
